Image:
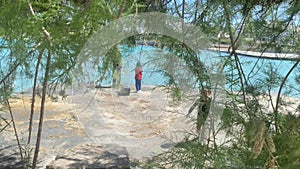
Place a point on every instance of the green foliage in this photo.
(256, 25)
(287, 142)
(248, 122)
(176, 93)
(51, 29)
(27, 155)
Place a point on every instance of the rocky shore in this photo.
(96, 128)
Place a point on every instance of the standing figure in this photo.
(138, 76)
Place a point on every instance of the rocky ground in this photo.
(97, 128)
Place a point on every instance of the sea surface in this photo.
(155, 63)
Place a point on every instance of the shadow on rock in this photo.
(9, 157)
(92, 156)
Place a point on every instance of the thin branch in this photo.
(42, 111)
(6, 122)
(33, 95)
(272, 41)
(204, 12)
(196, 11)
(279, 93)
(238, 65)
(182, 21)
(19, 63)
(176, 9)
(15, 128)
(44, 93)
(121, 9)
(235, 48)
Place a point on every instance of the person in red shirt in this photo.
(138, 76)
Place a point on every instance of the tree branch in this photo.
(33, 95)
(176, 9)
(279, 93)
(121, 9)
(15, 128)
(19, 63)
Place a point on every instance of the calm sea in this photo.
(151, 57)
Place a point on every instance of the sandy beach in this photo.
(94, 121)
(141, 123)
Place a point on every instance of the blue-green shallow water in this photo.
(152, 77)
(257, 75)
(254, 69)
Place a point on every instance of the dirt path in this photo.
(141, 122)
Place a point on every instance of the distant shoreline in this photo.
(265, 55)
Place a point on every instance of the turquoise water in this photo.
(257, 75)
(254, 69)
(152, 74)
(144, 54)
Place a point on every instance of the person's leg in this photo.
(136, 85)
(140, 84)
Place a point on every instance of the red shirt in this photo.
(138, 73)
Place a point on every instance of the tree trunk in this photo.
(42, 110)
(33, 95)
(117, 66)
